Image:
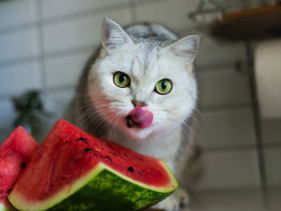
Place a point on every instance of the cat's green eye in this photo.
(163, 87)
(121, 80)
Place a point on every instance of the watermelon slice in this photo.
(15, 152)
(73, 170)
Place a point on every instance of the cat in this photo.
(139, 90)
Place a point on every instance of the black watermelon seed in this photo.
(83, 139)
(23, 165)
(131, 169)
(101, 156)
(115, 154)
(139, 173)
(109, 158)
(88, 150)
(126, 155)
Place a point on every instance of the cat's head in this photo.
(152, 72)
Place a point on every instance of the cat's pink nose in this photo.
(138, 103)
(140, 116)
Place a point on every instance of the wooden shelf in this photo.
(262, 22)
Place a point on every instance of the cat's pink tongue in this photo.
(140, 116)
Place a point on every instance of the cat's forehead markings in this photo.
(132, 65)
(146, 61)
(149, 54)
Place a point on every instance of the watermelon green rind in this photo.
(94, 190)
(20, 202)
(111, 192)
(4, 207)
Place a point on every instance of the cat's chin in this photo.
(137, 133)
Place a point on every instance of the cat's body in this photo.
(145, 55)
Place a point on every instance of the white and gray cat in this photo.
(139, 90)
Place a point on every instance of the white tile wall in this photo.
(16, 13)
(79, 33)
(73, 34)
(223, 87)
(17, 79)
(274, 202)
(70, 65)
(139, 2)
(172, 14)
(3, 135)
(227, 201)
(19, 45)
(228, 128)
(272, 165)
(54, 8)
(230, 170)
(58, 100)
(7, 116)
(271, 130)
(213, 52)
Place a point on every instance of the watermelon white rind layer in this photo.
(2, 207)
(5, 207)
(102, 189)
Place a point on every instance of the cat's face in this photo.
(147, 73)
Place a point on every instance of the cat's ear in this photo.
(113, 36)
(186, 48)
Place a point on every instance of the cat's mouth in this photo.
(130, 122)
(140, 117)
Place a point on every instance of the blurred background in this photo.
(44, 45)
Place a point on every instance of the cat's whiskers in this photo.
(104, 120)
(95, 112)
(87, 113)
(77, 111)
(190, 132)
(198, 112)
(83, 118)
(117, 117)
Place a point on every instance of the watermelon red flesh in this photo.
(15, 152)
(69, 153)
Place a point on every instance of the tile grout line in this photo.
(85, 14)
(133, 12)
(41, 58)
(256, 115)
(63, 18)
(48, 56)
(241, 148)
(222, 108)
(145, 3)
